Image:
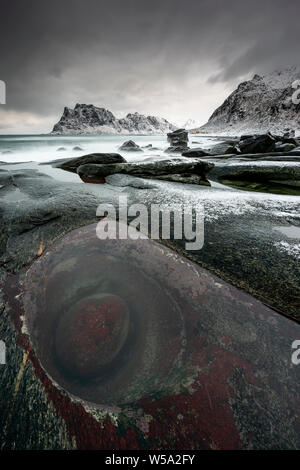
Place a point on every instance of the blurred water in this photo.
(42, 148)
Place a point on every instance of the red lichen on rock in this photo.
(91, 334)
(201, 418)
(99, 180)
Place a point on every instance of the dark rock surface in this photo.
(101, 158)
(178, 137)
(257, 144)
(276, 172)
(195, 153)
(37, 209)
(290, 140)
(163, 169)
(248, 145)
(94, 173)
(277, 175)
(223, 148)
(178, 140)
(219, 149)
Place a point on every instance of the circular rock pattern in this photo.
(91, 334)
(103, 326)
(203, 365)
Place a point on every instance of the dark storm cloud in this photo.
(147, 56)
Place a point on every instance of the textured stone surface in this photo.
(90, 335)
(178, 140)
(193, 172)
(257, 144)
(287, 173)
(233, 378)
(236, 384)
(99, 158)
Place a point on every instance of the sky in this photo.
(169, 58)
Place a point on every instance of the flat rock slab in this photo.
(193, 172)
(280, 171)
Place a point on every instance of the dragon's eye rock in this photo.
(104, 325)
(180, 357)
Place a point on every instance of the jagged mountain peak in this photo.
(90, 119)
(261, 104)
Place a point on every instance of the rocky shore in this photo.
(222, 337)
(95, 168)
(198, 178)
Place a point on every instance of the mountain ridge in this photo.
(90, 119)
(259, 105)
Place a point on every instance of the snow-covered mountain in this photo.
(189, 124)
(262, 104)
(89, 119)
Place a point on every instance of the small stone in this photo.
(130, 146)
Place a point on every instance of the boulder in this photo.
(257, 144)
(101, 158)
(61, 149)
(171, 170)
(178, 138)
(130, 146)
(77, 148)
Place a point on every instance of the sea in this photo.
(44, 148)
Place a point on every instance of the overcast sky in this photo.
(171, 58)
